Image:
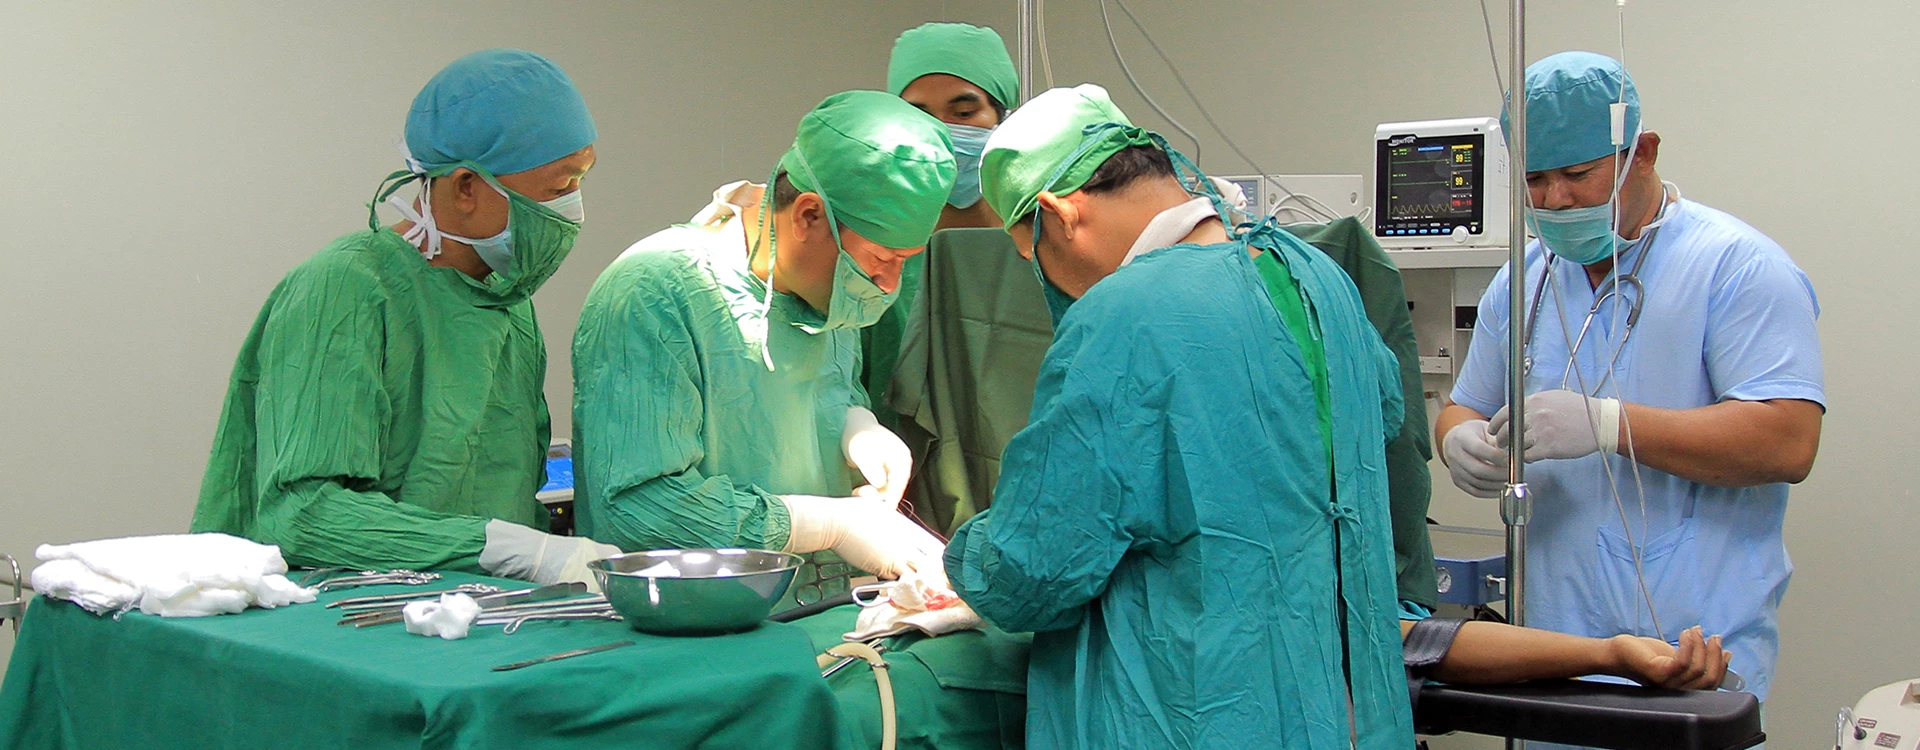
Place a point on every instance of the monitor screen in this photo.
(1429, 185)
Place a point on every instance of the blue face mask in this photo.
(1582, 235)
(969, 143)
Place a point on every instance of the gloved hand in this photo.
(868, 534)
(879, 454)
(1564, 424)
(515, 551)
(1476, 464)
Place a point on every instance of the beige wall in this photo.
(164, 164)
(1785, 114)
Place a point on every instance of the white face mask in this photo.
(571, 206)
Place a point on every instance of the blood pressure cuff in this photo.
(1424, 646)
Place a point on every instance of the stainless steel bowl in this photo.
(715, 591)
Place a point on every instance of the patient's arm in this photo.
(1487, 653)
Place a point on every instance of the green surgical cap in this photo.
(884, 166)
(1569, 109)
(506, 110)
(1045, 145)
(977, 55)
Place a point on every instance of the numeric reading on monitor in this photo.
(1430, 185)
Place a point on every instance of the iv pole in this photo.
(1026, 49)
(1516, 505)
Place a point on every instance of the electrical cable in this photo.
(1040, 21)
(1128, 72)
(1315, 206)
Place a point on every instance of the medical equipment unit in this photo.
(1441, 186)
(1442, 209)
(1886, 717)
(1297, 198)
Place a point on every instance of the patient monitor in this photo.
(1440, 184)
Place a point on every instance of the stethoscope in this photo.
(1617, 285)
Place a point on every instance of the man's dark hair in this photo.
(784, 193)
(1127, 166)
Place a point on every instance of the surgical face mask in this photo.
(857, 301)
(1585, 235)
(537, 238)
(498, 250)
(1582, 235)
(969, 143)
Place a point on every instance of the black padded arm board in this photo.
(1603, 715)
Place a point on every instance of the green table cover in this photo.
(292, 678)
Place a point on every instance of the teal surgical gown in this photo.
(683, 436)
(380, 412)
(1167, 525)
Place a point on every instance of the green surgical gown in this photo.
(380, 412)
(1196, 573)
(683, 436)
(880, 343)
(964, 384)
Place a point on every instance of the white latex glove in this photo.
(879, 454)
(515, 551)
(868, 534)
(1564, 424)
(1476, 463)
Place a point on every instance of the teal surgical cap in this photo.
(971, 53)
(885, 167)
(506, 110)
(1569, 109)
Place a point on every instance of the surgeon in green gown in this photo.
(1194, 522)
(962, 75)
(386, 409)
(717, 400)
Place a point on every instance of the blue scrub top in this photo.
(1727, 315)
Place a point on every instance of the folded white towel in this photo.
(448, 618)
(174, 575)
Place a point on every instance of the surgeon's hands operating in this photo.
(865, 531)
(882, 458)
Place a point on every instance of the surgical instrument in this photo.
(515, 624)
(372, 578)
(384, 601)
(487, 601)
(563, 655)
